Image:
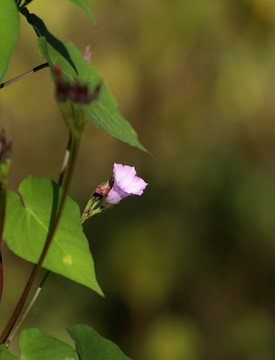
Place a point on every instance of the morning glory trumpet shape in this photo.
(126, 182)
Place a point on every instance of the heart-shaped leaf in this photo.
(26, 229)
(91, 345)
(9, 21)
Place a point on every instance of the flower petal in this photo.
(127, 180)
(116, 194)
(123, 173)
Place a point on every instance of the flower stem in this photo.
(71, 162)
(19, 77)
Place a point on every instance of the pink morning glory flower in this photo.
(126, 182)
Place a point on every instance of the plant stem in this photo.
(65, 161)
(38, 290)
(19, 77)
(21, 302)
(2, 220)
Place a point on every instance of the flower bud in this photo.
(73, 92)
(104, 189)
(72, 99)
(94, 204)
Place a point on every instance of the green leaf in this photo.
(9, 21)
(91, 345)
(41, 30)
(26, 229)
(37, 345)
(84, 5)
(104, 112)
(5, 354)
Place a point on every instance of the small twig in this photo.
(19, 77)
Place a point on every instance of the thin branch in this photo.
(19, 77)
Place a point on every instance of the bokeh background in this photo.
(188, 269)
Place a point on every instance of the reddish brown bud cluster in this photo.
(104, 189)
(73, 92)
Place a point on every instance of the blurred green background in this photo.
(188, 268)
